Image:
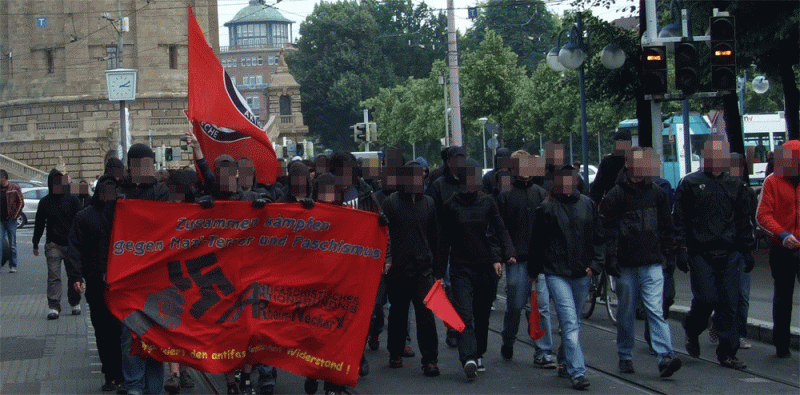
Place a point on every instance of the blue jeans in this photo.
(142, 375)
(10, 229)
(518, 290)
(543, 346)
(267, 375)
(569, 294)
(646, 282)
(716, 287)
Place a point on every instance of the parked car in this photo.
(32, 197)
(28, 183)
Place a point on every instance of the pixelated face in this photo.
(326, 193)
(565, 182)
(227, 177)
(391, 178)
(177, 193)
(504, 180)
(622, 147)
(61, 184)
(471, 181)
(410, 179)
(247, 173)
(716, 156)
(394, 158)
(116, 172)
(321, 165)
(554, 154)
(786, 163)
(83, 188)
(454, 164)
(344, 174)
(107, 192)
(738, 166)
(643, 165)
(527, 167)
(298, 186)
(505, 162)
(371, 168)
(142, 170)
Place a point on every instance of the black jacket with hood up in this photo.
(414, 234)
(517, 207)
(55, 213)
(89, 239)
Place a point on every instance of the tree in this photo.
(526, 26)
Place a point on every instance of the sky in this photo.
(298, 10)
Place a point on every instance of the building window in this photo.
(260, 61)
(252, 80)
(250, 30)
(111, 58)
(286, 105)
(173, 56)
(259, 79)
(238, 30)
(256, 103)
(48, 54)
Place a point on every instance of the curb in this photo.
(758, 330)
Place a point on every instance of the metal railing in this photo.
(20, 169)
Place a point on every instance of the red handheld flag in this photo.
(436, 300)
(222, 121)
(534, 327)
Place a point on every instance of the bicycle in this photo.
(604, 287)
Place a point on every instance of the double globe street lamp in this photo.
(572, 56)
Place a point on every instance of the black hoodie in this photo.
(55, 212)
(414, 234)
(516, 208)
(89, 239)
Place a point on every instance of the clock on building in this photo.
(121, 84)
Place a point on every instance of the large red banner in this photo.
(216, 288)
(223, 122)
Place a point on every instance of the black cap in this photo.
(138, 151)
(454, 151)
(622, 135)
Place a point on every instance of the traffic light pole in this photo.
(687, 150)
(651, 35)
(366, 129)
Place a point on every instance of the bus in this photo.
(763, 132)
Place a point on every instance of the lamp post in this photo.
(483, 144)
(572, 56)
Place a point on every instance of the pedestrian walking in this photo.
(476, 261)
(640, 238)
(11, 204)
(55, 214)
(778, 215)
(714, 234)
(568, 232)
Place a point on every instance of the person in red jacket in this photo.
(11, 203)
(778, 215)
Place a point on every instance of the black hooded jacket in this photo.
(465, 220)
(568, 232)
(89, 239)
(55, 213)
(638, 223)
(516, 208)
(414, 234)
(606, 176)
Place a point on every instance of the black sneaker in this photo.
(430, 369)
(733, 363)
(693, 346)
(580, 383)
(408, 352)
(247, 388)
(173, 384)
(481, 366)
(562, 371)
(668, 366)
(311, 386)
(396, 363)
(233, 388)
(507, 352)
(267, 390)
(109, 385)
(186, 380)
(452, 339)
(374, 342)
(783, 353)
(363, 368)
(626, 366)
(471, 369)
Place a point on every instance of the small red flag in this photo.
(534, 327)
(436, 300)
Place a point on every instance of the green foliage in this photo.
(526, 26)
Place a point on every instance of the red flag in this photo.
(534, 327)
(436, 300)
(217, 288)
(222, 121)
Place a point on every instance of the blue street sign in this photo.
(41, 22)
(472, 12)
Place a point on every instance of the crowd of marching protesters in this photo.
(532, 217)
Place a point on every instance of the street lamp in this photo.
(760, 86)
(572, 56)
(483, 127)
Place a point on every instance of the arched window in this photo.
(286, 105)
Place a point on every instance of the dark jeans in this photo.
(716, 288)
(784, 264)
(107, 331)
(402, 291)
(473, 293)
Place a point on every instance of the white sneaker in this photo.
(743, 343)
(481, 367)
(471, 369)
(53, 315)
(76, 310)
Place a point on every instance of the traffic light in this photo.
(168, 154)
(299, 150)
(723, 53)
(359, 132)
(373, 132)
(686, 78)
(654, 70)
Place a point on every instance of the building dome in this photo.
(257, 12)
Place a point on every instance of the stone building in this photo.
(259, 37)
(54, 107)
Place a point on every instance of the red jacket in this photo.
(14, 201)
(779, 209)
